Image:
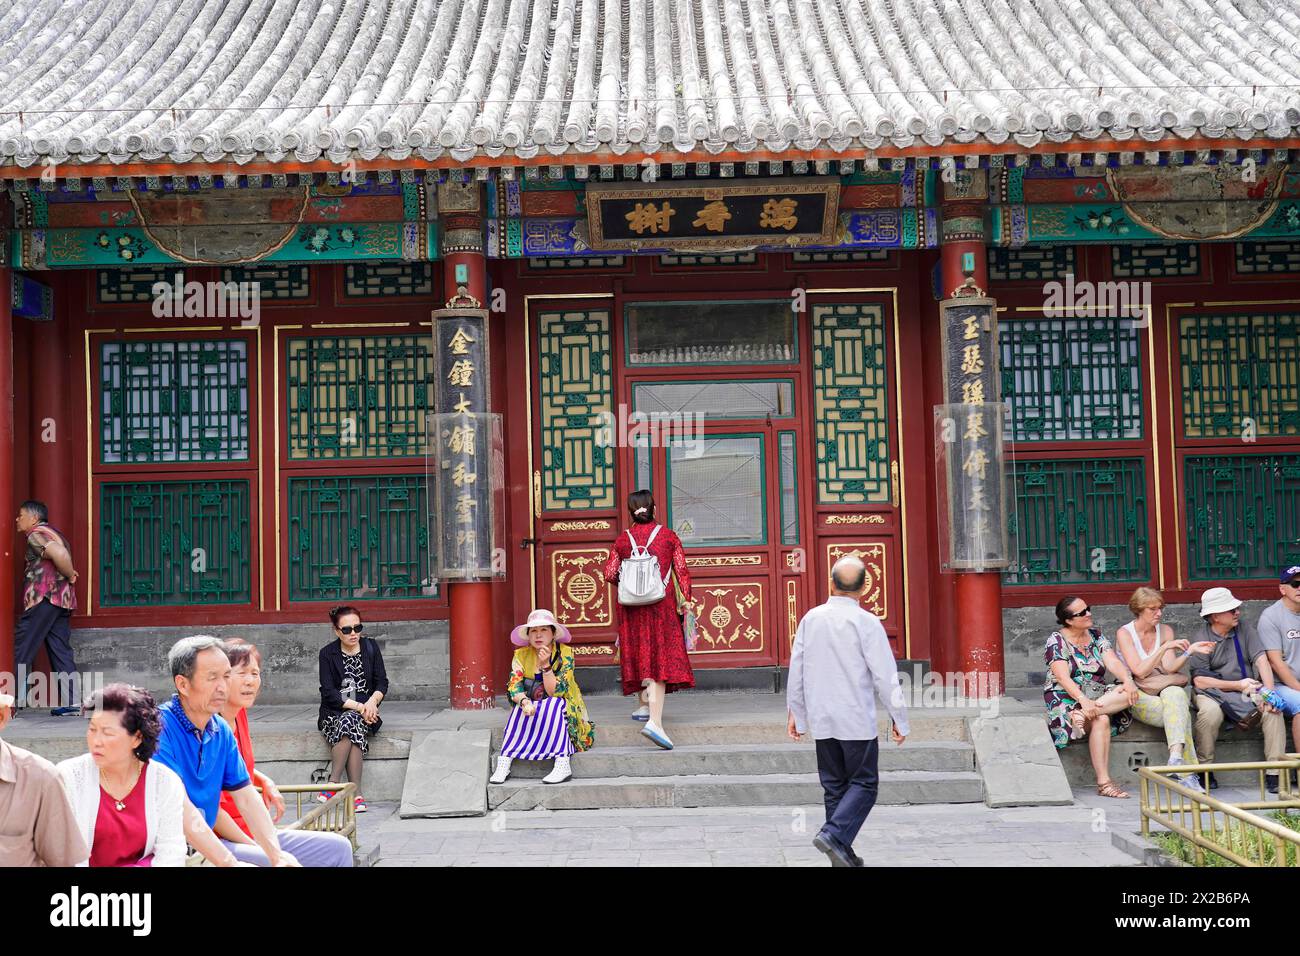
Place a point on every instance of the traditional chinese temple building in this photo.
(740, 220)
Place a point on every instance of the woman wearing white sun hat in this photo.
(550, 718)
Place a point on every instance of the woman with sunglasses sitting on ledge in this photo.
(1079, 702)
(353, 684)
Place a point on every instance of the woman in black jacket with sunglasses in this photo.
(353, 684)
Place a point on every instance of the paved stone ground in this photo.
(936, 835)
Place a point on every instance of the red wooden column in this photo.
(51, 429)
(978, 595)
(473, 685)
(9, 535)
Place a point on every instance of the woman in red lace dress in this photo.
(652, 649)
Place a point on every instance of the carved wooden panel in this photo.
(582, 598)
(731, 617)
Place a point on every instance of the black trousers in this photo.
(47, 624)
(850, 780)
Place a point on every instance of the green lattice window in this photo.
(577, 396)
(273, 282)
(359, 538)
(1240, 367)
(1072, 379)
(118, 286)
(1080, 521)
(174, 401)
(851, 403)
(174, 542)
(358, 397)
(1243, 515)
(1031, 264)
(368, 279)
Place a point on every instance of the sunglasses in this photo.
(1084, 613)
(351, 629)
(1293, 584)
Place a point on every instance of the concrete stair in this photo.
(725, 790)
(720, 761)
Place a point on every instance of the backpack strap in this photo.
(650, 540)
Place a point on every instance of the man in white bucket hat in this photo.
(1227, 679)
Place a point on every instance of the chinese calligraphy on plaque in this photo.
(713, 215)
(969, 455)
(466, 466)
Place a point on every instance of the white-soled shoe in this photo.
(560, 773)
(656, 735)
(502, 771)
(641, 713)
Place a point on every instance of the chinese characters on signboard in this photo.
(716, 216)
(465, 452)
(968, 437)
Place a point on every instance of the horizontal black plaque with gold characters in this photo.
(791, 213)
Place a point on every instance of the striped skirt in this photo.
(539, 737)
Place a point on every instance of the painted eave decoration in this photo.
(158, 83)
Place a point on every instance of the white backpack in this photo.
(638, 578)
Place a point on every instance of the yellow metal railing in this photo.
(336, 815)
(1195, 816)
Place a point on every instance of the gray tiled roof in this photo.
(212, 80)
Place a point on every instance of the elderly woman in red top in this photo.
(652, 648)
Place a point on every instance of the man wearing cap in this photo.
(1228, 677)
(839, 664)
(37, 825)
(1279, 634)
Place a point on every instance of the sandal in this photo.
(1108, 789)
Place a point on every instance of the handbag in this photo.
(1157, 681)
(639, 582)
(688, 618)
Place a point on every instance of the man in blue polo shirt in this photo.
(208, 759)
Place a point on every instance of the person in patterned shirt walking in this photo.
(48, 600)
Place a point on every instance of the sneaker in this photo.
(656, 735)
(502, 771)
(325, 796)
(1191, 781)
(1214, 782)
(1270, 783)
(560, 773)
(359, 804)
(641, 713)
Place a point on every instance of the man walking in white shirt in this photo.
(840, 663)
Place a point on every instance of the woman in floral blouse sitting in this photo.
(549, 717)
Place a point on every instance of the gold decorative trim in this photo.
(720, 561)
(359, 325)
(792, 607)
(596, 608)
(275, 372)
(600, 525)
(725, 618)
(855, 519)
(593, 650)
(1173, 431)
(261, 479)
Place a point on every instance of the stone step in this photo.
(622, 731)
(725, 790)
(648, 761)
